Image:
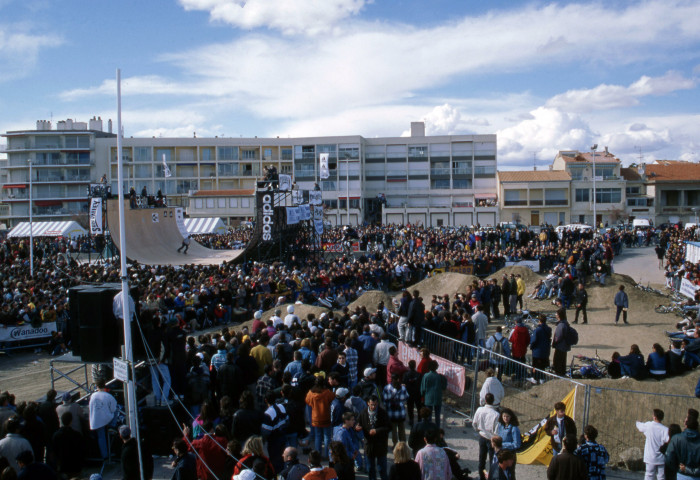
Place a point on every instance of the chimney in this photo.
(551, 167)
(418, 129)
(96, 124)
(109, 126)
(606, 150)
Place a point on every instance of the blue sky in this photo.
(543, 76)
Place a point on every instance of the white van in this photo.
(640, 223)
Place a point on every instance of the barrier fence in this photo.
(612, 411)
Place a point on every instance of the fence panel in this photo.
(614, 413)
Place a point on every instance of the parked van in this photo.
(640, 223)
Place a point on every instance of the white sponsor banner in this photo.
(95, 215)
(26, 332)
(285, 183)
(533, 265)
(304, 212)
(180, 220)
(315, 197)
(166, 169)
(297, 197)
(688, 288)
(292, 215)
(323, 170)
(318, 224)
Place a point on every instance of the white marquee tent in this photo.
(205, 225)
(49, 229)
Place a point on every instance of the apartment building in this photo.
(535, 197)
(674, 187)
(428, 180)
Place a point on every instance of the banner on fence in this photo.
(688, 288)
(538, 447)
(454, 373)
(533, 265)
(338, 247)
(17, 333)
(95, 215)
(292, 215)
(463, 269)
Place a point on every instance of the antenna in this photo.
(641, 157)
(534, 160)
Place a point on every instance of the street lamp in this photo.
(347, 184)
(595, 216)
(31, 224)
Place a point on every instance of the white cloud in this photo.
(443, 120)
(309, 17)
(19, 50)
(548, 131)
(605, 97)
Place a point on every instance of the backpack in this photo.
(497, 346)
(571, 335)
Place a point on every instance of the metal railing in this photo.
(617, 429)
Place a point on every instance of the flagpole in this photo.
(128, 351)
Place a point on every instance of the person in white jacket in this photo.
(493, 386)
(656, 435)
(485, 422)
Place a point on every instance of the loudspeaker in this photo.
(161, 427)
(73, 330)
(99, 334)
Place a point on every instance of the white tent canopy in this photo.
(203, 226)
(49, 229)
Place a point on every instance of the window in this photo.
(142, 171)
(248, 154)
(228, 169)
(420, 151)
(604, 172)
(330, 203)
(228, 153)
(555, 196)
(142, 154)
(672, 199)
(163, 152)
(267, 154)
(693, 197)
(198, 203)
(210, 203)
(608, 195)
(354, 202)
(245, 202)
(485, 171)
(632, 190)
(349, 151)
(576, 173)
(583, 195)
(440, 184)
(221, 203)
(207, 154)
(233, 202)
(461, 183)
(287, 154)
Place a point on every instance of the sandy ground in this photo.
(27, 375)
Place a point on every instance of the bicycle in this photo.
(673, 308)
(588, 367)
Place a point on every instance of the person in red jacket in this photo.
(318, 472)
(319, 399)
(424, 364)
(395, 366)
(520, 340)
(211, 451)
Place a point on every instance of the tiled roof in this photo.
(600, 157)
(630, 174)
(672, 171)
(225, 193)
(534, 176)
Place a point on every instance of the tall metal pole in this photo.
(130, 392)
(31, 224)
(595, 217)
(347, 185)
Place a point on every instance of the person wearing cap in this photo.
(395, 397)
(276, 318)
(291, 318)
(131, 467)
(258, 324)
(103, 408)
(369, 385)
(77, 412)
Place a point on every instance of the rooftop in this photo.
(630, 174)
(535, 176)
(672, 171)
(587, 157)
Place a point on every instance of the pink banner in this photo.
(455, 373)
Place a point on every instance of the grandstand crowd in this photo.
(334, 384)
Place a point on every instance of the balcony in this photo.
(515, 203)
(445, 172)
(462, 171)
(536, 202)
(556, 203)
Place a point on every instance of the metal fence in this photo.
(612, 411)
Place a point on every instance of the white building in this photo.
(429, 180)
